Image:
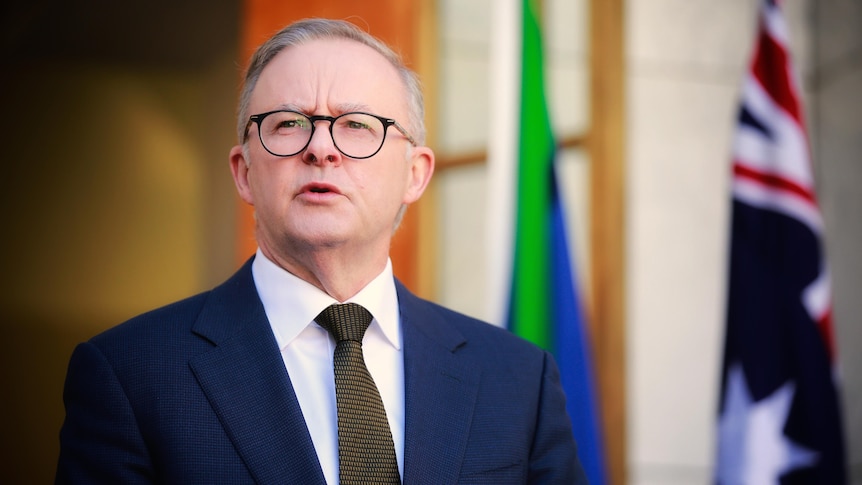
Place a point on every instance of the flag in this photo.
(779, 415)
(543, 304)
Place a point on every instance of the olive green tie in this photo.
(366, 452)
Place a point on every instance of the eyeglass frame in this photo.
(387, 122)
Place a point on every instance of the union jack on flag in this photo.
(779, 412)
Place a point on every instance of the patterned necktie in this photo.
(366, 452)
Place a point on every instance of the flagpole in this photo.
(502, 154)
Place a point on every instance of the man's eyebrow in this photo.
(337, 109)
(349, 107)
(290, 107)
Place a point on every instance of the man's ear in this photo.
(421, 170)
(239, 169)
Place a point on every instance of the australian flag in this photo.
(779, 415)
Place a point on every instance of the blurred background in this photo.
(118, 118)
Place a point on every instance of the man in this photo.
(236, 385)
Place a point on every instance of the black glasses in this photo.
(285, 133)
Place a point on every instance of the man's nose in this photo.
(321, 147)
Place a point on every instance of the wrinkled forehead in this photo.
(325, 75)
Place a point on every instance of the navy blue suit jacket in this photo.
(197, 392)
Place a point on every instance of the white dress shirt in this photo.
(291, 304)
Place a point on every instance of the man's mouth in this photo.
(320, 188)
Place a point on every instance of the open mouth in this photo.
(320, 188)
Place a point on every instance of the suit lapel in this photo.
(439, 394)
(248, 387)
(244, 379)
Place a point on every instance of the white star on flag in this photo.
(753, 447)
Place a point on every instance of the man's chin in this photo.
(322, 236)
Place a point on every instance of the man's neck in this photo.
(340, 273)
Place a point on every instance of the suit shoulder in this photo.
(170, 318)
(474, 329)
(176, 319)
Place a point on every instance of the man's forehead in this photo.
(335, 48)
(351, 75)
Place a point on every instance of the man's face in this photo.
(320, 198)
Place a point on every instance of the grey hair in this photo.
(308, 30)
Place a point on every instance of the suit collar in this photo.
(440, 392)
(246, 382)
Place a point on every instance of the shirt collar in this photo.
(291, 303)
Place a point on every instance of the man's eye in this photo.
(294, 123)
(357, 125)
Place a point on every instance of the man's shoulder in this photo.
(174, 317)
(472, 329)
(177, 318)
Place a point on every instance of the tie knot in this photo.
(345, 322)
